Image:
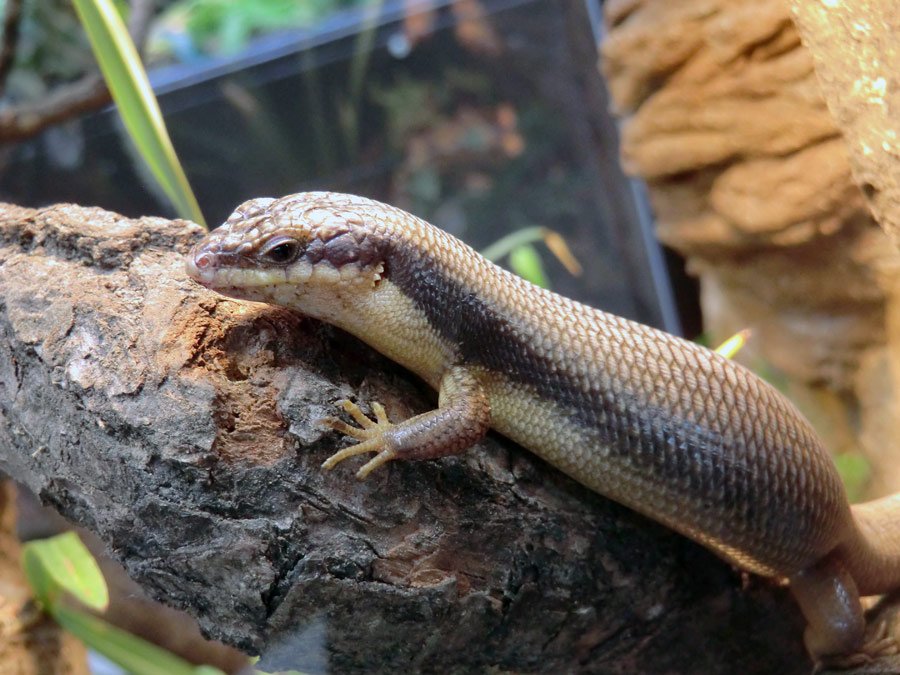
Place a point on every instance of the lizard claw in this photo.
(370, 434)
(879, 644)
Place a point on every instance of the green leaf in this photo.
(734, 344)
(525, 261)
(63, 563)
(135, 655)
(134, 97)
(506, 244)
(855, 471)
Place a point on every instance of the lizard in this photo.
(660, 424)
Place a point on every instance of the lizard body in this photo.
(662, 425)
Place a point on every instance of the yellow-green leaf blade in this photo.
(523, 258)
(132, 653)
(63, 563)
(525, 261)
(734, 344)
(130, 89)
(506, 244)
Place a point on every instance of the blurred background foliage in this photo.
(51, 49)
(484, 116)
(188, 29)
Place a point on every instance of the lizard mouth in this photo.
(223, 271)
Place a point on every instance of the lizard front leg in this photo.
(462, 418)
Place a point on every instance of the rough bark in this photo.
(855, 47)
(179, 426)
(856, 50)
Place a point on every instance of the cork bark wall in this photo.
(750, 180)
(856, 55)
(856, 51)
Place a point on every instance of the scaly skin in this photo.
(662, 425)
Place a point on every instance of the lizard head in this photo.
(311, 251)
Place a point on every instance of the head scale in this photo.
(280, 251)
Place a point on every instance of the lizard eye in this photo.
(282, 251)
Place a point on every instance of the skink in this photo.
(662, 425)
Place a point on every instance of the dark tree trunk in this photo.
(180, 427)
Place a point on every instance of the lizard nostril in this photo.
(203, 261)
(201, 266)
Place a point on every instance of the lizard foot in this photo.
(369, 433)
(879, 645)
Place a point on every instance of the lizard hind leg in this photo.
(835, 635)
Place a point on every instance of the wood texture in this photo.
(856, 50)
(750, 179)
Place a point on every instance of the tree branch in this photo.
(180, 427)
(20, 122)
(70, 100)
